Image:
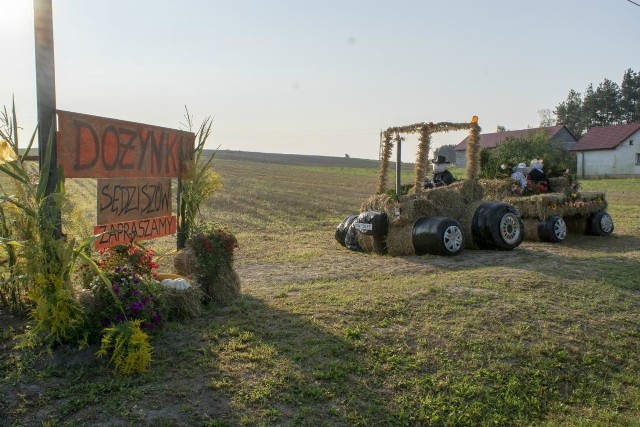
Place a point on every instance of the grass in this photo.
(542, 335)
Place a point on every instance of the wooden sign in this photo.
(121, 199)
(125, 232)
(99, 147)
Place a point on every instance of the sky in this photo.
(318, 78)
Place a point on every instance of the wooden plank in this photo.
(125, 232)
(99, 147)
(125, 199)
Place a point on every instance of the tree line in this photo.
(608, 104)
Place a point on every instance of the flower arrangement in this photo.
(135, 297)
(208, 259)
(529, 190)
(137, 258)
(213, 248)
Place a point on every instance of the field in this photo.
(542, 335)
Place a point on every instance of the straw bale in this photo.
(400, 241)
(469, 189)
(466, 220)
(185, 263)
(224, 288)
(542, 206)
(441, 201)
(496, 189)
(576, 224)
(365, 242)
(183, 303)
(531, 229)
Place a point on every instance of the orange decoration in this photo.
(474, 119)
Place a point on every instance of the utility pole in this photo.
(46, 98)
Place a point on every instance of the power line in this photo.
(634, 3)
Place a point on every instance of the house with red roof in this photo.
(609, 151)
(491, 140)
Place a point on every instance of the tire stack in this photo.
(366, 231)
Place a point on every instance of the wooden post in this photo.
(181, 235)
(46, 97)
(398, 165)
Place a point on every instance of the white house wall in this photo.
(618, 162)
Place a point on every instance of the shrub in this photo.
(129, 344)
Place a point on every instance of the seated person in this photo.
(538, 176)
(441, 174)
(519, 175)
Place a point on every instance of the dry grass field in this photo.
(546, 334)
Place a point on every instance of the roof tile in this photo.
(491, 140)
(605, 137)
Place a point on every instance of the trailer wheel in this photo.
(600, 224)
(437, 236)
(497, 225)
(553, 229)
(343, 227)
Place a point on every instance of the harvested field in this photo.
(542, 335)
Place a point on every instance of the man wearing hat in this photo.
(441, 174)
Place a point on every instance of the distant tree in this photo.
(501, 128)
(546, 118)
(346, 156)
(589, 109)
(569, 113)
(447, 151)
(630, 97)
(608, 103)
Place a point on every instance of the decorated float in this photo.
(468, 214)
(443, 220)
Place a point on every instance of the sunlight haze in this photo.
(319, 78)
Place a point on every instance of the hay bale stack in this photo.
(496, 189)
(542, 206)
(400, 240)
(442, 201)
(469, 189)
(539, 206)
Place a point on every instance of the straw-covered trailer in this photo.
(443, 220)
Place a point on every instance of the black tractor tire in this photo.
(376, 225)
(553, 229)
(497, 225)
(600, 224)
(343, 227)
(437, 236)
